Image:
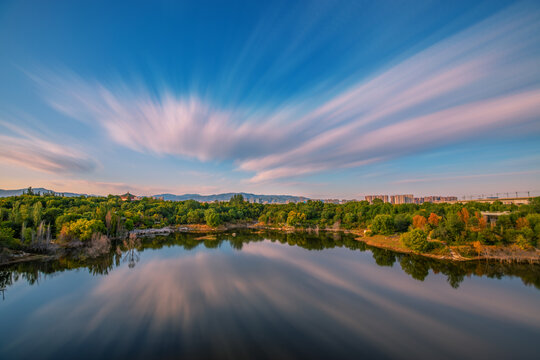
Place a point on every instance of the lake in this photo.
(267, 295)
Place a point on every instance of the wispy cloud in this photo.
(27, 150)
(472, 84)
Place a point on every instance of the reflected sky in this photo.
(269, 300)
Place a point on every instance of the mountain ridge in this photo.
(182, 197)
(17, 192)
(226, 197)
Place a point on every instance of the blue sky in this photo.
(320, 98)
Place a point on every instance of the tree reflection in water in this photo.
(130, 250)
(6, 279)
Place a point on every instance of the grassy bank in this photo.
(464, 252)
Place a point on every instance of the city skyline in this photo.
(332, 100)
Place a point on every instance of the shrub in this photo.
(99, 245)
(81, 229)
(529, 235)
(523, 242)
(416, 240)
(487, 237)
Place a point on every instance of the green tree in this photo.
(212, 218)
(37, 213)
(27, 235)
(7, 237)
(195, 216)
(237, 199)
(504, 222)
(295, 218)
(281, 217)
(383, 224)
(402, 222)
(454, 227)
(129, 225)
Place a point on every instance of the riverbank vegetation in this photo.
(33, 222)
(130, 252)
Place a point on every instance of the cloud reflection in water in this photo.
(285, 302)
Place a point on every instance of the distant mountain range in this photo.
(271, 199)
(17, 192)
(227, 196)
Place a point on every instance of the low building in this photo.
(127, 196)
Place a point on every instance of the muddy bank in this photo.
(99, 245)
(9, 257)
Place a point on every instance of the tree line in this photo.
(32, 220)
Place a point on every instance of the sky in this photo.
(325, 99)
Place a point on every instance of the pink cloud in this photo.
(31, 152)
(470, 84)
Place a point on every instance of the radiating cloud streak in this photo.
(28, 151)
(472, 84)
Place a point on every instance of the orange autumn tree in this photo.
(477, 245)
(482, 223)
(522, 223)
(464, 216)
(419, 222)
(434, 219)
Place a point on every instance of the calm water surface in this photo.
(270, 295)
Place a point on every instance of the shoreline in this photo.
(457, 253)
(11, 257)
